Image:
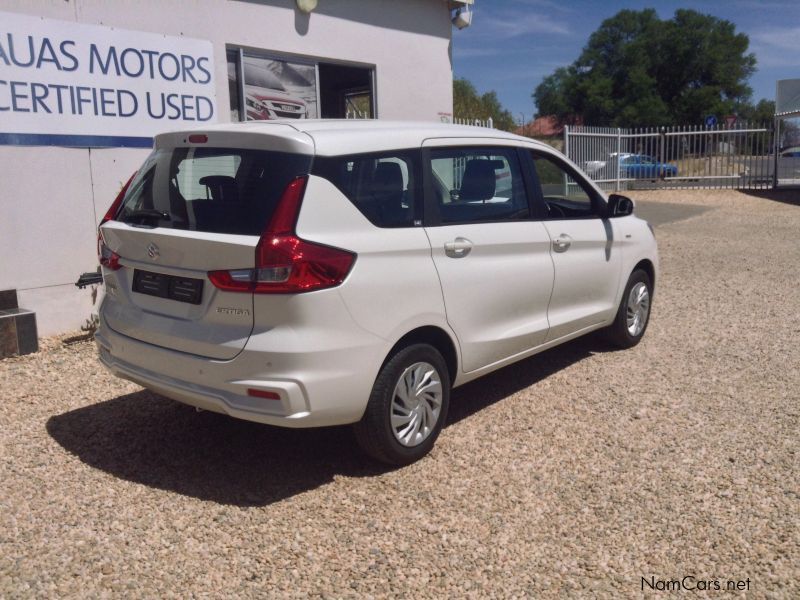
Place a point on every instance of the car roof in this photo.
(331, 137)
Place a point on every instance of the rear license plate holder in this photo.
(172, 287)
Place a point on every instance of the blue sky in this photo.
(513, 44)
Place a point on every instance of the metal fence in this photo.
(477, 122)
(738, 157)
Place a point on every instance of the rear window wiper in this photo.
(146, 213)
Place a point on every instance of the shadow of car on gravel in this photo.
(784, 196)
(148, 439)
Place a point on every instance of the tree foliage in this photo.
(640, 70)
(468, 104)
(761, 113)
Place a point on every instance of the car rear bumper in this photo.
(314, 389)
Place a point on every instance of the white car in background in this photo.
(313, 273)
(264, 104)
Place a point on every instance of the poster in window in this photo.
(279, 89)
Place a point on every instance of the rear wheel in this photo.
(407, 407)
(633, 314)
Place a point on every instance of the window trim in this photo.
(598, 203)
(432, 216)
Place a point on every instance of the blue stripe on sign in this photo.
(75, 141)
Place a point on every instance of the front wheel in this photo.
(407, 407)
(633, 314)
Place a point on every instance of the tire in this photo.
(418, 420)
(636, 299)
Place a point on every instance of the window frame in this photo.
(599, 205)
(432, 216)
(311, 60)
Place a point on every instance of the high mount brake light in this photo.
(284, 263)
(107, 257)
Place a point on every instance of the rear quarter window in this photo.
(382, 186)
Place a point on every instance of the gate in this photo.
(674, 157)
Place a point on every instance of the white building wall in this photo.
(53, 198)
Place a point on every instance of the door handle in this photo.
(458, 248)
(562, 243)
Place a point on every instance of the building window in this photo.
(233, 57)
(265, 87)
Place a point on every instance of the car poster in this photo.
(279, 89)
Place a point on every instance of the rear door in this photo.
(586, 255)
(191, 209)
(491, 253)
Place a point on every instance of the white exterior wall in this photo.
(53, 198)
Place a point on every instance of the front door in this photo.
(586, 256)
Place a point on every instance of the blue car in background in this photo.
(641, 166)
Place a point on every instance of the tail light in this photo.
(107, 257)
(284, 263)
(111, 213)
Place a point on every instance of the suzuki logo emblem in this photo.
(152, 251)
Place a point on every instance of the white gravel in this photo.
(578, 472)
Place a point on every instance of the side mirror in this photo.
(619, 206)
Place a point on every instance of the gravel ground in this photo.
(575, 473)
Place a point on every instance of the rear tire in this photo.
(633, 314)
(407, 407)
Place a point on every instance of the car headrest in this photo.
(479, 180)
(388, 178)
(222, 187)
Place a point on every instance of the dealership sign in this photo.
(70, 84)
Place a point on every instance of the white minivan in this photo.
(316, 272)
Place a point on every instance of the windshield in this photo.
(256, 74)
(220, 190)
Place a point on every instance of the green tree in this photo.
(468, 104)
(640, 70)
(552, 93)
(759, 114)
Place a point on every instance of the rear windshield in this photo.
(219, 190)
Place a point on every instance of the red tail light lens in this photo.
(288, 264)
(285, 216)
(107, 257)
(285, 263)
(112, 210)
